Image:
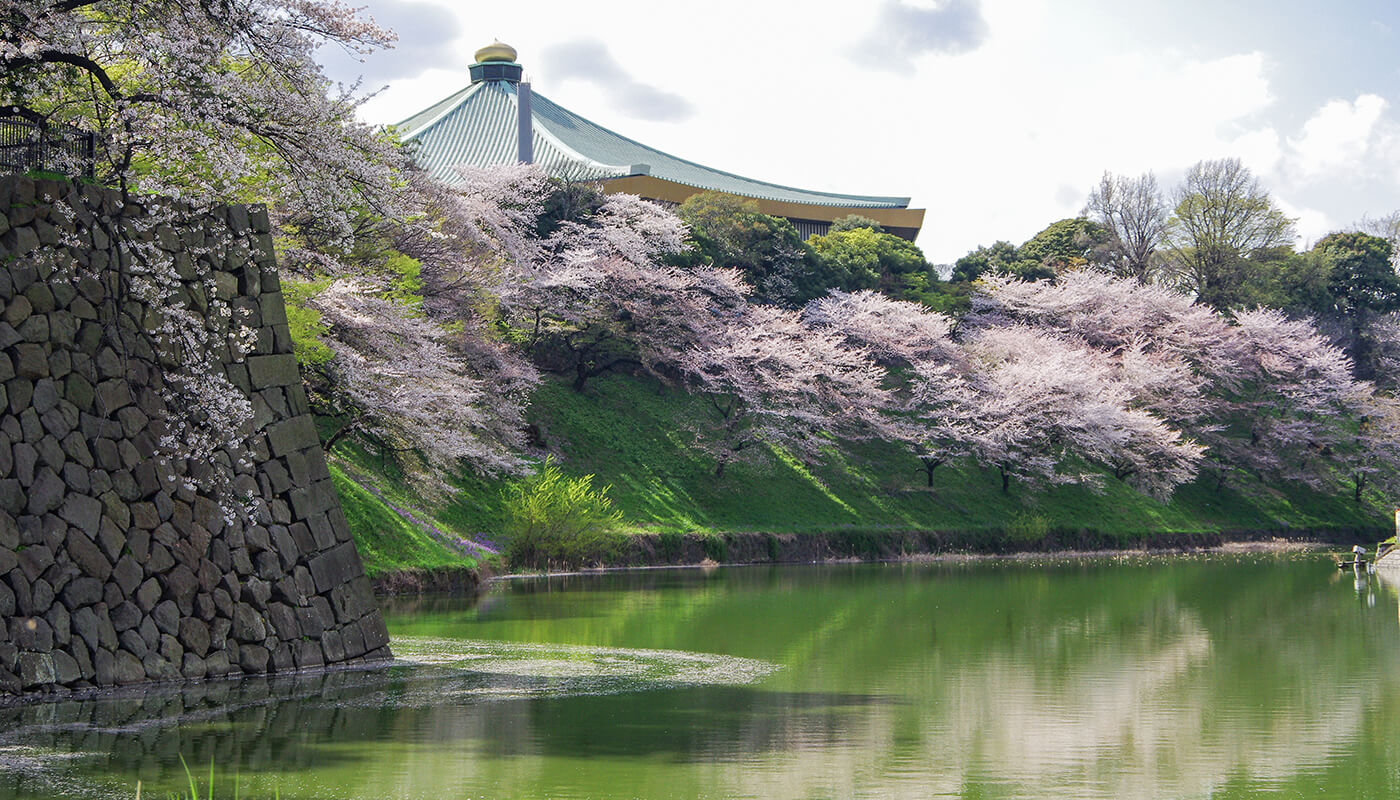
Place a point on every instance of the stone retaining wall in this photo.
(115, 566)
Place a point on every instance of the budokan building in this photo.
(499, 120)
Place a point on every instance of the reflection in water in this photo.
(294, 723)
(1124, 679)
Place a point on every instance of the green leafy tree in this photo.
(996, 259)
(1388, 228)
(1363, 285)
(1223, 224)
(730, 231)
(1296, 283)
(1347, 282)
(864, 258)
(1066, 244)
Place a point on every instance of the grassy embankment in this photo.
(629, 433)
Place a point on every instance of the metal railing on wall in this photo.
(29, 143)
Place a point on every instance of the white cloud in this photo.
(589, 60)
(1261, 150)
(903, 32)
(1338, 137)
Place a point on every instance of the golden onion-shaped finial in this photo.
(495, 51)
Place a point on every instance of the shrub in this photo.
(1026, 527)
(555, 520)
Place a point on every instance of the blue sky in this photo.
(995, 115)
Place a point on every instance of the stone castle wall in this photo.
(114, 568)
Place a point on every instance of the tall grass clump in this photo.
(1027, 527)
(209, 790)
(555, 520)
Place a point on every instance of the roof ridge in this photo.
(904, 201)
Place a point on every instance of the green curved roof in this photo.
(477, 126)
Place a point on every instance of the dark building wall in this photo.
(114, 568)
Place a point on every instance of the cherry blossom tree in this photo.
(1052, 406)
(1287, 403)
(595, 294)
(1264, 393)
(487, 290)
(414, 386)
(1384, 332)
(1167, 349)
(478, 229)
(204, 101)
(772, 381)
(1371, 458)
(1034, 403)
(933, 407)
(417, 365)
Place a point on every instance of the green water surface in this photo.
(1146, 677)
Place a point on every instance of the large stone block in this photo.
(253, 658)
(248, 625)
(47, 493)
(181, 585)
(36, 669)
(354, 639)
(166, 616)
(292, 435)
(335, 567)
(9, 534)
(127, 574)
(88, 556)
(284, 621)
(125, 617)
(333, 646)
(308, 654)
(376, 633)
(66, 669)
(31, 361)
(274, 311)
(350, 601)
(33, 560)
(112, 396)
(83, 513)
(273, 370)
(83, 591)
(148, 595)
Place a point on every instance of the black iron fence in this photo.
(29, 143)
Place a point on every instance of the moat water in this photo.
(1141, 677)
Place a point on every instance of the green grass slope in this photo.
(631, 433)
(387, 540)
